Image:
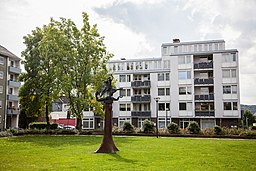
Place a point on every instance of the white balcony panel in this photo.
(230, 113)
(185, 113)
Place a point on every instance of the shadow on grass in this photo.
(121, 159)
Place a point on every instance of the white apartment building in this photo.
(9, 88)
(196, 81)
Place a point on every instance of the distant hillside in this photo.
(252, 108)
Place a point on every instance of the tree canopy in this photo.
(62, 59)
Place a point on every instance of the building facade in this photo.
(196, 81)
(9, 88)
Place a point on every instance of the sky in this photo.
(137, 28)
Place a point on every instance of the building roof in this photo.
(63, 100)
(6, 52)
(193, 42)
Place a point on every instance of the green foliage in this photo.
(173, 128)
(248, 118)
(42, 125)
(148, 126)
(128, 127)
(193, 127)
(5, 134)
(217, 130)
(253, 128)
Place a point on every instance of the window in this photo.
(164, 50)
(184, 90)
(123, 120)
(183, 75)
(230, 105)
(1, 89)
(1, 104)
(124, 78)
(140, 121)
(163, 76)
(125, 107)
(88, 123)
(229, 73)
(166, 64)
(1, 60)
(163, 91)
(184, 123)
(184, 59)
(160, 77)
(228, 57)
(185, 106)
(1, 74)
(167, 76)
(230, 89)
(163, 106)
(125, 92)
(161, 122)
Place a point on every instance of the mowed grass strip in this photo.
(136, 153)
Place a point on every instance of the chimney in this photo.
(176, 40)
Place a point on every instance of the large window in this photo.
(229, 73)
(229, 57)
(184, 59)
(183, 75)
(124, 78)
(140, 121)
(1, 60)
(88, 123)
(125, 107)
(184, 123)
(163, 76)
(163, 91)
(163, 106)
(230, 89)
(185, 106)
(125, 92)
(230, 105)
(185, 90)
(123, 120)
(1, 74)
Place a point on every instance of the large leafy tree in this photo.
(60, 58)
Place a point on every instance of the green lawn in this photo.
(136, 153)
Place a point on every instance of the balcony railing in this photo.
(204, 97)
(204, 113)
(14, 70)
(140, 84)
(203, 65)
(12, 97)
(141, 99)
(203, 81)
(141, 113)
(13, 111)
(14, 83)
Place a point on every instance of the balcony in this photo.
(203, 81)
(141, 84)
(204, 113)
(12, 97)
(14, 70)
(141, 99)
(13, 111)
(14, 83)
(141, 113)
(204, 97)
(203, 65)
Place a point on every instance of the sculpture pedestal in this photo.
(108, 145)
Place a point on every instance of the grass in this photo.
(136, 153)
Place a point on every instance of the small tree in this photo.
(128, 127)
(193, 127)
(148, 126)
(217, 130)
(173, 128)
(248, 118)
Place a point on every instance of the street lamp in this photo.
(157, 100)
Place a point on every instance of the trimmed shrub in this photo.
(42, 125)
(217, 130)
(148, 126)
(67, 132)
(207, 131)
(193, 127)
(5, 134)
(173, 128)
(128, 127)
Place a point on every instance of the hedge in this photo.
(42, 125)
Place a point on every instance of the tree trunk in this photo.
(47, 116)
(79, 123)
(108, 145)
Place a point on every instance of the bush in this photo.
(148, 126)
(67, 132)
(5, 134)
(217, 130)
(208, 131)
(253, 128)
(173, 128)
(128, 127)
(193, 127)
(42, 125)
